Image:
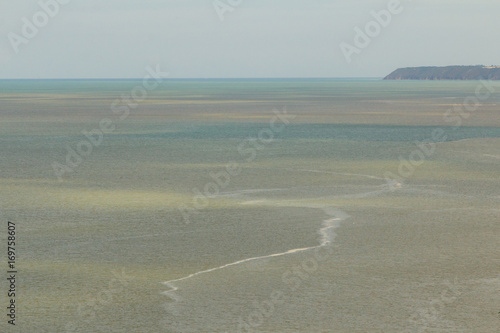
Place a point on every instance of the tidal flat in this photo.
(322, 205)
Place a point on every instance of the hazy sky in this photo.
(258, 38)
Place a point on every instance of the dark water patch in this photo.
(322, 132)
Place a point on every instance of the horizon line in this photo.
(204, 78)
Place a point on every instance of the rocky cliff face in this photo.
(446, 73)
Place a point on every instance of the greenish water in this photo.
(122, 210)
(318, 132)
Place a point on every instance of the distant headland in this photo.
(446, 73)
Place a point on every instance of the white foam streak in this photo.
(362, 175)
(494, 156)
(327, 237)
(340, 173)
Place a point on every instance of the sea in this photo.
(251, 205)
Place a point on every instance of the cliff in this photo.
(446, 73)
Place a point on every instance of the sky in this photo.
(242, 38)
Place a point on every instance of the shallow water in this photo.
(98, 248)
